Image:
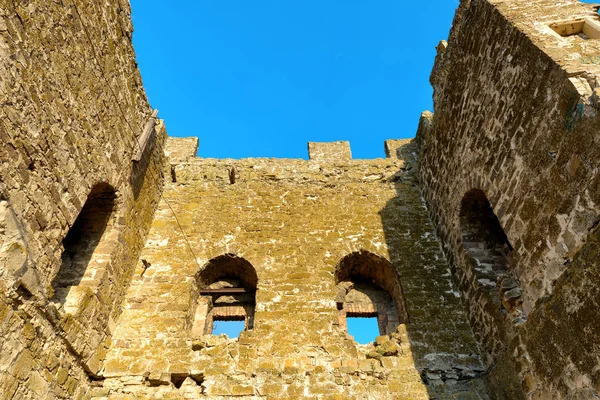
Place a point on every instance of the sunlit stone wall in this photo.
(293, 221)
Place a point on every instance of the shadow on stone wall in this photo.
(560, 342)
(553, 354)
(83, 239)
(138, 171)
(441, 340)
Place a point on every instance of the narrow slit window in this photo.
(231, 328)
(363, 329)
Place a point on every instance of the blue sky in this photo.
(231, 328)
(363, 330)
(262, 78)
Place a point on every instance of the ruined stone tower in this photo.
(475, 245)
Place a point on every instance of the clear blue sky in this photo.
(262, 78)
(364, 330)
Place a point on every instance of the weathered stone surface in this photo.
(293, 221)
(329, 151)
(516, 118)
(108, 293)
(182, 148)
(72, 106)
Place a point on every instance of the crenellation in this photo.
(181, 148)
(399, 149)
(329, 151)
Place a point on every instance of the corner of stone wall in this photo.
(424, 129)
(441, 66)
(181, 148)
(585, 98)
(329, 151)
(439, 72)
(402, 149)
(395, 148)
(48, 352)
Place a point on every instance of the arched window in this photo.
(227, 288)
(487, 247)
(87, 247)
(368, 286)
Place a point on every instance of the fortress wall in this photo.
(72, 107)
(508, 169)
(516, 116)
(293, 221)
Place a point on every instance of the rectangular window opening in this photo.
(586, 28)
(230, 327)
(364, 328)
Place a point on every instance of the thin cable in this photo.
(181, 229)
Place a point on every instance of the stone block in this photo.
(242, 390)
(329, 151)
(178, 149)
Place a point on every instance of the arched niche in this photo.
(226, 292)
(487, 249)
(87, 247)
(368, 286)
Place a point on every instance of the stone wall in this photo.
(516, 117)
(73, 106)
(118, 302)
(329, 151)
(293, 222)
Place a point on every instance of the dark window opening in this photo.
(232, 175)
(226, 297)
(364, 329)
(86, 244)
(483, 238)
(173, 174)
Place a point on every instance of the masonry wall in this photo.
(72, 108)
(293, 221)
(516, 116)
